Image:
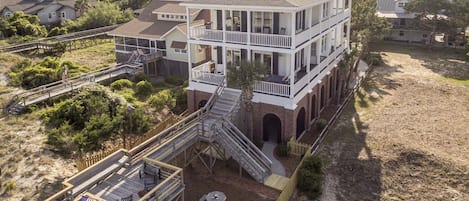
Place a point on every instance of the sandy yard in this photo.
(405, 135)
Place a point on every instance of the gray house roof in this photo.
(33, 6)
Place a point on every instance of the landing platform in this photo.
(276, 181)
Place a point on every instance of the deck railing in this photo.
(202, 73)
(272, 88)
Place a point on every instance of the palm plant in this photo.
(244, 76)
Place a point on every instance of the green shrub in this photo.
(310, 177)
(162, 99)
(143, 88)
(174, 80)
(57, 31)
(140, 77)
(180, 94)
(374, 59)
(121, 83)
(129, 97)
(60, 138)
(321, 124)
(10, 185)
(282, 150)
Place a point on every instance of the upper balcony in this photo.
(265, 29)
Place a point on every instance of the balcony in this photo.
(207, 73)
(272, 88)
(258, 39)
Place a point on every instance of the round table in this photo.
(215, 196)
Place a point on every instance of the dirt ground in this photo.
(405, 136)
(227, 180)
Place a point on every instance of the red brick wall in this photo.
(194, 97)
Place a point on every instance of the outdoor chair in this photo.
(128, 198)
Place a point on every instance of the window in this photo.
(401, 33)
(50, 15)
(401, 4)
(180, 51)
(62, 14)
(300, 21)
(325, 10)
(424, 35)
(262, 22)
(299, 59)
(402, 22)
(233, 20)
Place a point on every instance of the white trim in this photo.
(171, 30)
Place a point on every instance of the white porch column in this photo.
(223, 20)
(249, 28)
(224, 63)
(348, 35)
(308, 59)
(189, 52)
(292, 75)
(293, 32)
(318, 51)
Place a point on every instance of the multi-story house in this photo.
(300, 41)
(403, 22)
(48, 11)
(160, 28)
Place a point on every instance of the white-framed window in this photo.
(325, 10)
(180, 51)
(300, 21)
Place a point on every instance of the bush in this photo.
(321, 124)
(10, 185)
(143, 88)
(129, 97)
(121, 83)
(60, 138)
(282, 150)
(103, 14)
(374, 59)
(310, 177)
(57, 31)
(180, 94)
(140, 77)
(162, 99)
(174, 80)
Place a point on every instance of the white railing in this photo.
(272, 88)
(302, 37)
(202, 73)
(301, 84)
(271, 40)
(236, 37)
(206, 34)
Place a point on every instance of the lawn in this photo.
(94, 57)
(405, 134)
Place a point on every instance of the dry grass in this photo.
(94, 57)
(405, 136)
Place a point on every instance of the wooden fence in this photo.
(88, 161)
(297, 148)
(287, 192)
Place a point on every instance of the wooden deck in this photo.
(277, 182)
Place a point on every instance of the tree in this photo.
(431, 16)
(103, 14)
(345, 65)
(57, 31)
(22, 24)
(82, 5)
(134, 122)
(366, 26)
(163, 98)
(244, 76)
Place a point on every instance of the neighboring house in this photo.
(161, 27)
(48, 11)
(404, 27)
(302, 43)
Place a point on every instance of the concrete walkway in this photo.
(277, 167)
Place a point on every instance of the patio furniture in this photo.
(128, 198)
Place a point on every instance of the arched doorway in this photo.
(313, 107)
(272, 128)
(201, 104)
(323, 98)
(300, 122)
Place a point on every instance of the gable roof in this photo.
(33, 6)
(147, 24)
